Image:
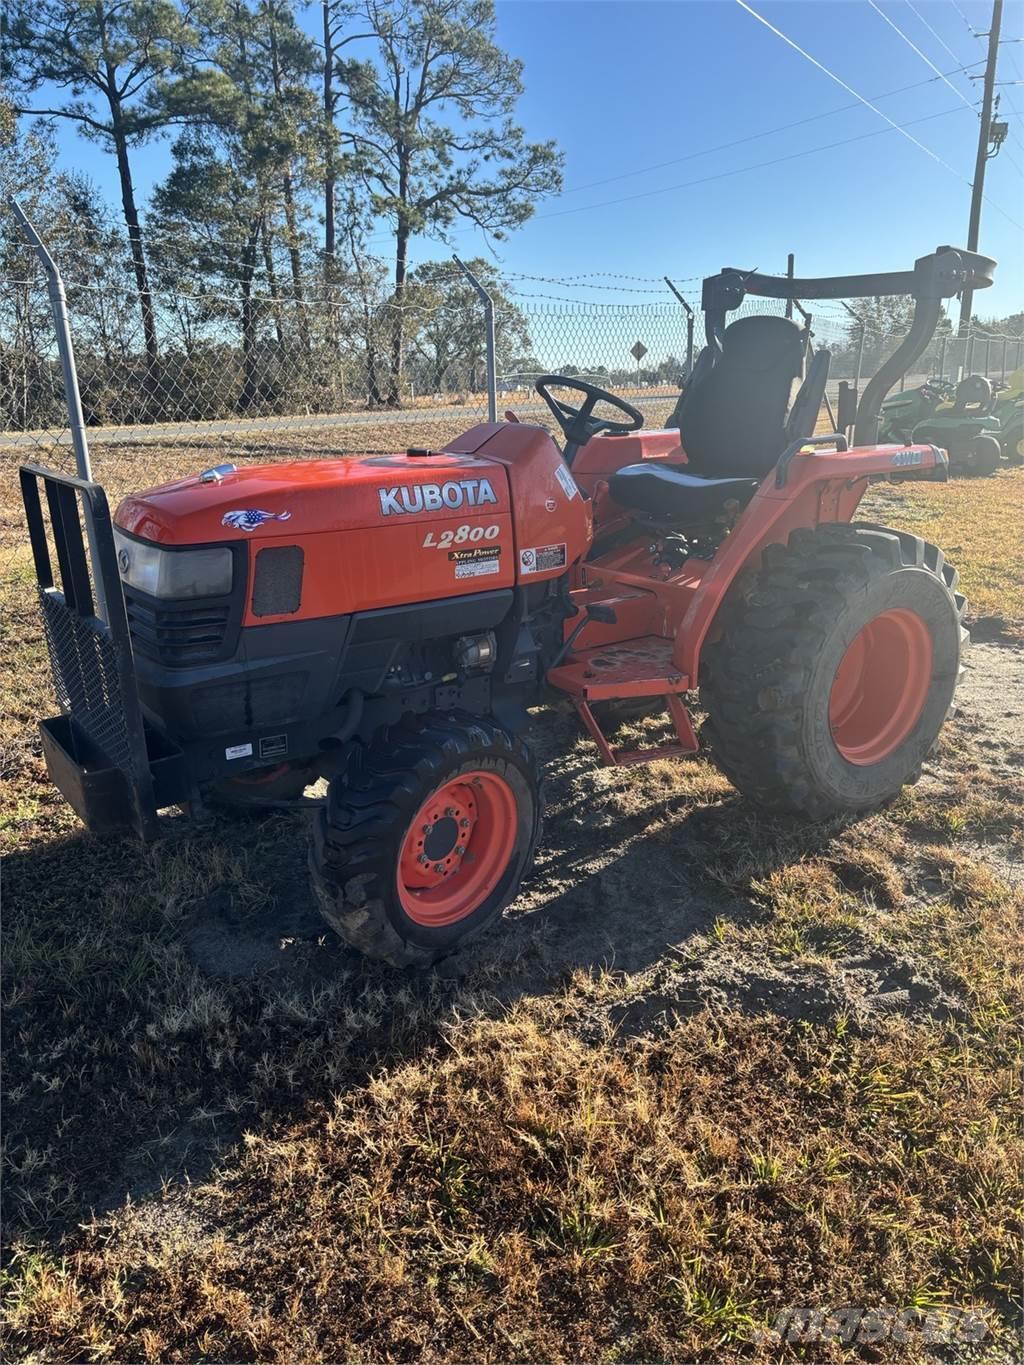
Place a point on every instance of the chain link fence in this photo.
(287, 365)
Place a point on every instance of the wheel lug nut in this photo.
(464, 824)
(449, 812)
(439, 867)
(424, 859)
(427, 829)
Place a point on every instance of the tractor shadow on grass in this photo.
(164, 1001)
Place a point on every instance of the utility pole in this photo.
(984, 135)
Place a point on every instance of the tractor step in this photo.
(632, 668)
(641, 667)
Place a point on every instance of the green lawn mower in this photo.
(967, 429)
(901, 412)
(1009, 410)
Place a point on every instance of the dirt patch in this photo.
(862, 985)
(990, 703)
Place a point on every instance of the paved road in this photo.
(186, 431)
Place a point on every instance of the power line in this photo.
(741, 170)
(848, 88)
(913, 46)
(935, 34)
(970, 27)
(768, 132)
(868, 105)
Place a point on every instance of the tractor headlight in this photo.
(203, 572)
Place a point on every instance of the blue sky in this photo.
(626, 86)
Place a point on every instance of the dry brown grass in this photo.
(977, 522)
(713, 1065)
(515, 1192)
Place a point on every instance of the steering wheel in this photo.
(579, 424)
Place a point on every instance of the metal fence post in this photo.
(942, 357)
(969, 352)
(860, 359)
(1002, 365)
(988, 354)
(492, 374)
(72, 396)
(689, 326)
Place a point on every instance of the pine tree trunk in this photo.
(250, 378)
(131, 218)
(398, 322)
(294, 256)
(268, 261)
(330, 186)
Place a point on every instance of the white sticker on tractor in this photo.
(476, 563)
(542, 558)
(566, 480)
(238, 751)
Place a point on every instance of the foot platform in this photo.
(629, 669)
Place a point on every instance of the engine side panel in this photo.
(552, 518)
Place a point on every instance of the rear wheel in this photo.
(1013, 444)
(426, 842)
(834, 669)
(984, 456)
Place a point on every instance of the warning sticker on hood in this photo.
(567, 481)
(475, 563)
(542, 558)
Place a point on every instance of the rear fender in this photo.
(816, 487)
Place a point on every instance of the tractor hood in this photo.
(312, 496)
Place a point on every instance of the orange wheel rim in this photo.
(456, 849)
(881, 686)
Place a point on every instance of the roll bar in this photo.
(947, 271)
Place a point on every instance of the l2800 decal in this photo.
(431, 497)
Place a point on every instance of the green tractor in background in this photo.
(1009, 410)
(959, 418)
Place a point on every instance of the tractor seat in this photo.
(673, 495)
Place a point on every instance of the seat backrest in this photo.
(974, 396)
(732, 417)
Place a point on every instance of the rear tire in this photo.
(1013, 444)
(833, 669)
(984, 457)
(424, 844)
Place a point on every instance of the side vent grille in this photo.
(277, 581)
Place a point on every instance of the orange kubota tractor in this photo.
(384, 622)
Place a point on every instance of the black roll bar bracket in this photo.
(947, 271)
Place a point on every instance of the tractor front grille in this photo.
(87, 679)
(178, 634)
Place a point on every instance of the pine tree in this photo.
(433, 135)
(120, 64)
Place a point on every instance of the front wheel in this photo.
(1013, 444)
(426, 841)
(834, 669)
